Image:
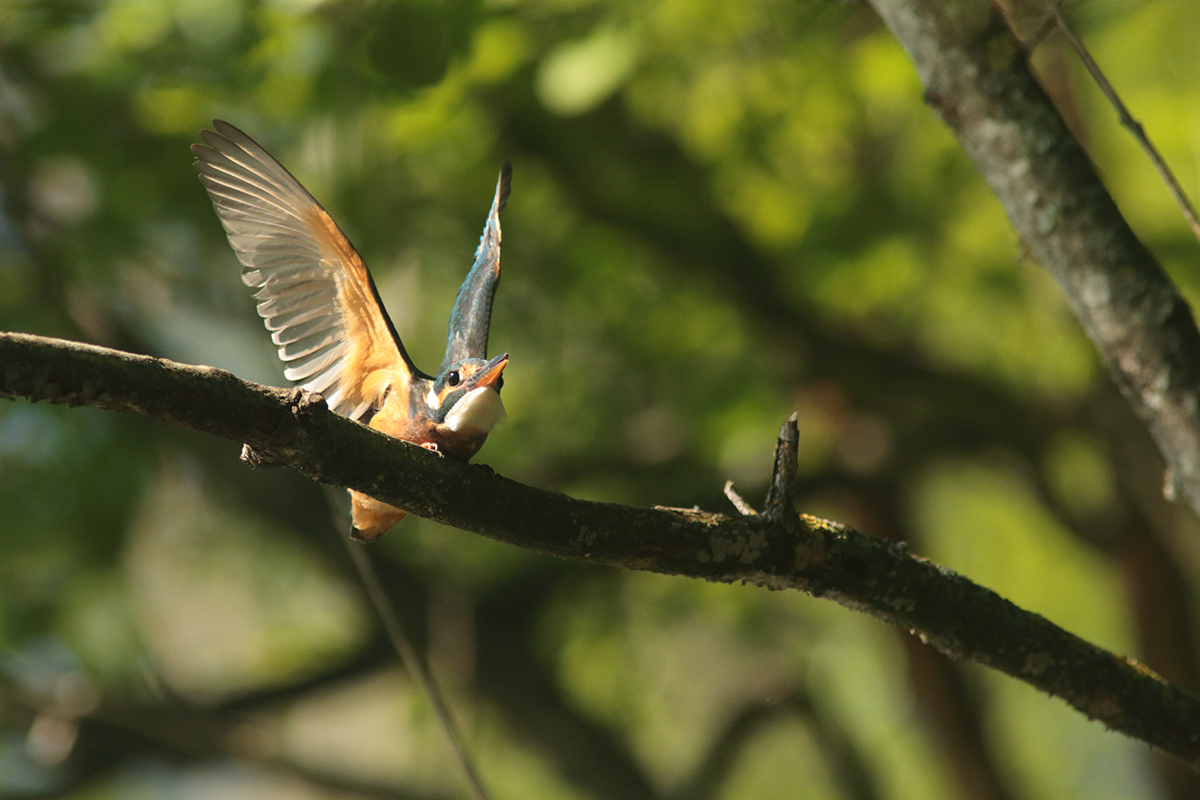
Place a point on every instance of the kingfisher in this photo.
(319, 302)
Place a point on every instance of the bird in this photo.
(320, 304)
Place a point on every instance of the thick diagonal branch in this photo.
(976, 76)
(824, 559)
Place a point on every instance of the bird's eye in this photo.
(453, 378)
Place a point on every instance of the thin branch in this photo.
(961, 619)
(1127, 120)
(738, 501)
(415, 665)
(976, 76)
(780, 505)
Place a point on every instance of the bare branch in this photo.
(416, 666)
(977, 78)
(780, 505)
(1127, 120)
(738, 501)
(822, 558)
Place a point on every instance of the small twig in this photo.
(780, 504)
(744, 508)
(1127, 120)
(413, 662)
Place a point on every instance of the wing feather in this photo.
(315, 294)
(313, 367)
(299, 348)
(301, 330)
(472, 314)
(286, 300)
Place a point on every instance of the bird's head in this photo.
(465, 397)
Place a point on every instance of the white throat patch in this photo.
(477, 412)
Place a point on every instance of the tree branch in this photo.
(976, 76)
(1127, 120)
(824, 559)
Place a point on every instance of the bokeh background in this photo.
(722, 212)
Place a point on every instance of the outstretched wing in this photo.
(315, 294)
(472, 314)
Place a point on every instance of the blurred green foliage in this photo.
(722, 212)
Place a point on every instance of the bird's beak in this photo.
(490, 374)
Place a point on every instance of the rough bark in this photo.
(775, 550)
(976, 76)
